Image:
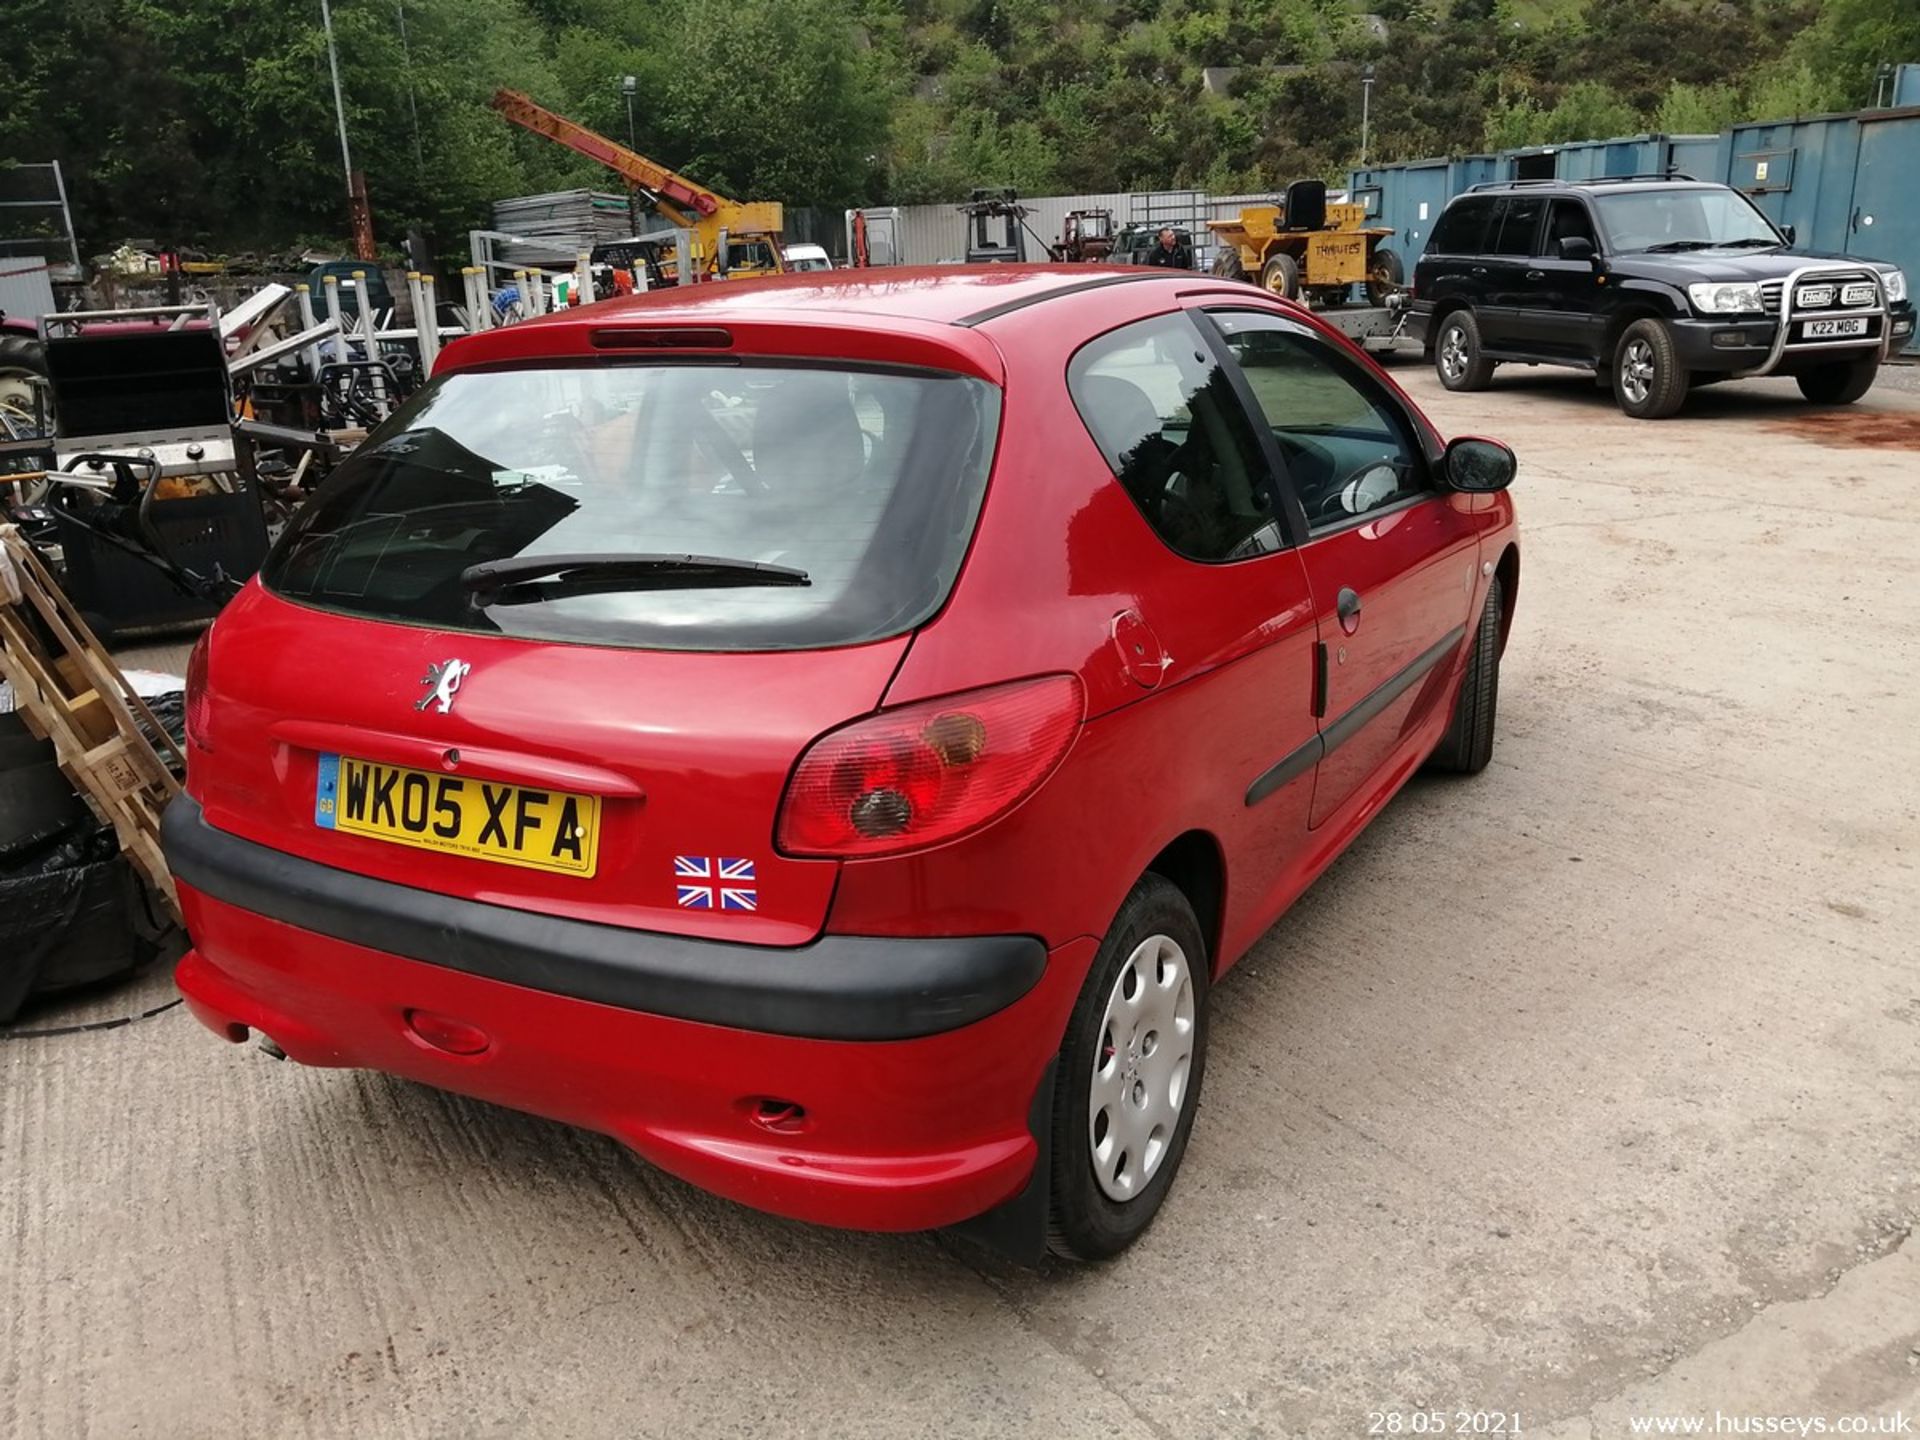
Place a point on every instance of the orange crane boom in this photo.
(679, 193)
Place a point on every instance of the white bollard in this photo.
(428, 325)
(479, 311)
(367, 332)
(338, 345)
(311, 355)
(416, 301)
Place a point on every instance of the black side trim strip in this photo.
(1349, 724)
(1007, 307)
(1303, 758)
(837, 988)
(1290, 767)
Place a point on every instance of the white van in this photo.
(807, 257)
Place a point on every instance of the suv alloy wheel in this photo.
(1457, 353)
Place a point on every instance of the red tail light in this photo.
(925, 774)
(199, 705)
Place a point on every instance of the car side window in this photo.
(1350, 449)
(1519, 223)
(1463, 228)
(1163, 412)
(1567, 220)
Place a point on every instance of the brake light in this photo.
(199, 704)
(928, 773)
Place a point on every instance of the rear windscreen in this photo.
(867, 482)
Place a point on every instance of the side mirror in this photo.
(1479, 467)
(1788, 232)
(1576, 247)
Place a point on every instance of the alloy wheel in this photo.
(1140, 1068)
(1636, 371)
(1453, 353)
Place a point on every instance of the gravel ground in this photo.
(1582, 1091)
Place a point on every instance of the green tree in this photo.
(1698, 109)
(1844, 47)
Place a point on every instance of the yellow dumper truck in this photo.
(1304, 246)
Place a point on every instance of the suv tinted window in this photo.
(1164, 414)
(1463, 228)
(1349, 448)
(870, 483)
(1567, 220)
(1519, 223)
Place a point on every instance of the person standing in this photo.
(1169, 252)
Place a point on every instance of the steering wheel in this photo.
(1315, 470)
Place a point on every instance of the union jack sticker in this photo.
(715, 882)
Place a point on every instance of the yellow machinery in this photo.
(1305, 246)
(750, 230)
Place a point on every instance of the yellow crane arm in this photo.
(677, 195)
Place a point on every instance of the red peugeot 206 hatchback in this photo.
(831, 733)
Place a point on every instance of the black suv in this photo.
(1655, 284)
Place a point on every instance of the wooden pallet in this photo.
(71, 692)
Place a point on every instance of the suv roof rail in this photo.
(1575, 184)
(1628, 179)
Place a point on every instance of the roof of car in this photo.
(937, 316)
(942, 294)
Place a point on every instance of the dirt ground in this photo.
(1584, 1091)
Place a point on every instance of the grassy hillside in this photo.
(211, 122)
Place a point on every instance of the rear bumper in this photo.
(837, 988)
(907, 1133)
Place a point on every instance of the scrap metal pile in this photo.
(147, 458)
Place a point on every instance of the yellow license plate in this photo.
(511, 824)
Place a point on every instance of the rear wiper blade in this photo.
(523, 578)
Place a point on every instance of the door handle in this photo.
(1536, 274)
(1478, 270)
(1347, 606)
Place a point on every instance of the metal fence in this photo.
(931, 234)
(35, 223)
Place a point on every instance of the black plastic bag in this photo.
(72, 915)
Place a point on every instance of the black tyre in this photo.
(1840, 384)
(1227, 264)
(1281, 276)
(1648, 379)
(1468, 744)
(1458, 357)
(1384, 276)
(1129, 1077)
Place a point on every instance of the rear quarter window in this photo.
(870, 482)
(1463, 227)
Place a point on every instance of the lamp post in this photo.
(1366, 107)
(630, 87)
(358, 216)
